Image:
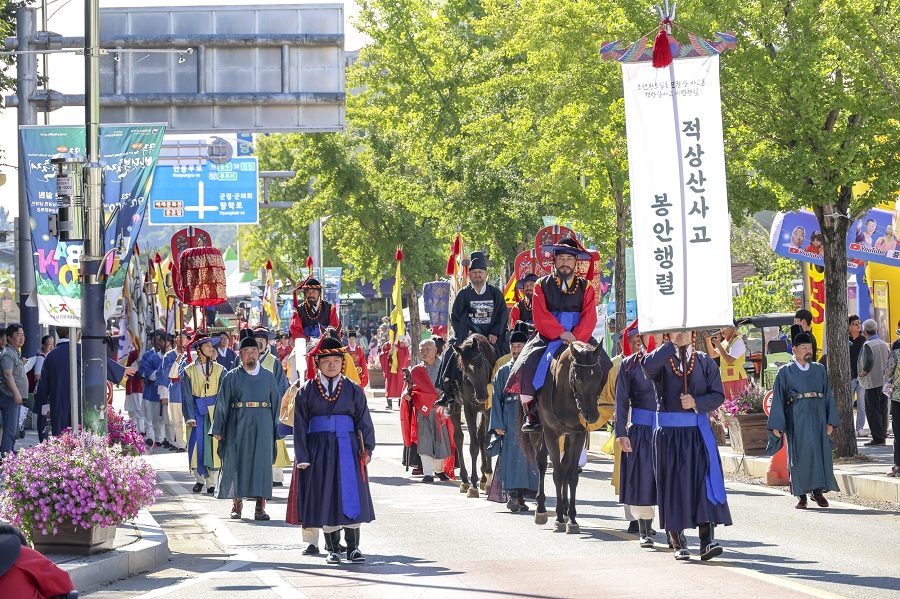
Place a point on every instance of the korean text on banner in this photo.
(679, 204)
(128, 154)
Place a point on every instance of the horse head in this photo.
(587, 377)
(476, 361)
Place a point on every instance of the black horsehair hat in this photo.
(330, 347)
(247, 340)
(477, 261)
(310, 283)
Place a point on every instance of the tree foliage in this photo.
(768, 293)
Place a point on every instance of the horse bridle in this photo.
(577, 401)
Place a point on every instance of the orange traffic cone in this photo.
(777, 473)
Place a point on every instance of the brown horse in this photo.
(476, 359)
(568, 401)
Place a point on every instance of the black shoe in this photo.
(427, 479)
(531, 425)
(513, 505)
(210, 490)
(874, 443)
(801, 502)
(148, 442)
(197, 488)
(682, 555)
(633, 526)
(172, 448)
(180, 450)
(166, 445)
(443, 477)
(356, 556)
(261, 515)
(311, 549)
(645, 540)
(712, 550)
(820, 499)
(333, 558)
(278, 484)
(523, 507)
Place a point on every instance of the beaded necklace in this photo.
(315, 314)
(337, 391)
(526, 302)
(576, 283)
(690, 365)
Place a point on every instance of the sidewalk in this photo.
(863, 479)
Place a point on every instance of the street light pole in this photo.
(93, 287)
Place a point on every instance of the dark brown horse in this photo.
(568, 401)
(476, 359)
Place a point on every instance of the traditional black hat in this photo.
(263, 332)
(351, 333)
(518, 337)
(247, 340)
(529, 278)
(330, 347)
(477, 261)
(567, 245)
(801, 338)
(310, 283)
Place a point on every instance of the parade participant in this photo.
(133, 394)
(689, 481)
(269, 361)
(518, 476)
(804, 413)
(635, 422)
(283, 346)
(169, 376)
(428, 433)
(152, 407)
(359, 359)
(393, 377)
(564, 311)
(479, 307)
(732, 355)
(315, 314)
(521, 311)
(333, 442)
(201, 380)
(245, 424)
(226, 356)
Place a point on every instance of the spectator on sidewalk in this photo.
(857, 394)
(34, 377)
(26, 573)
(872, 360)
(13, 386)
(892, 391)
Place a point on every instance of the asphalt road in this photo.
(432, 541)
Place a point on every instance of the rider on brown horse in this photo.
(564, 311)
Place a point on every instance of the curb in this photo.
(869, 486)
(151, 550)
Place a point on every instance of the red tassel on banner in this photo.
(662, 52)
(309, 264)
(457, 245)
(451, 265)
(157, 258)
(268, 265)
(399, 255)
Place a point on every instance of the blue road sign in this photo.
(244, 144)
(211, 194)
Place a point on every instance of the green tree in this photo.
(768, 293)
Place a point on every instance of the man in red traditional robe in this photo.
(315, 314)
(564, 311)
(522, 310)
(359, 359)
(427, 430)
(393, 375)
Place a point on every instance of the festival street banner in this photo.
(679, 202)
(128, 154)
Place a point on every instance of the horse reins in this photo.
(580, 414)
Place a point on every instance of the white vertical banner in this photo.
(679, 203)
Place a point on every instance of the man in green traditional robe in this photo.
(245, 423)
(804, 412)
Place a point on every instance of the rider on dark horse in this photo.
(479, 308)
(564, 311)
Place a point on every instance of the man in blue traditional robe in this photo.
(635, 423)
(152, 409)
(245, 424)
(690, 486)
(168, 378)
(333, 442)
(518, 476)
(201, 381)
(804, 411)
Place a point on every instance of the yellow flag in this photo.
(398, 325)
(269, 304)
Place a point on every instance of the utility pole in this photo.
(93, 284)
(26, 86)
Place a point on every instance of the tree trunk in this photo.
(414, 334)
(834, 230)
(619, 266)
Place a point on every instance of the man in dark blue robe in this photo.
(225, 356)
(333, 442)
(153, 410)
(689, 480)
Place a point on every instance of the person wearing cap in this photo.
(517, 474)
(359, 359)
(201, 381)
(427, 431)
(690, 486)
(153, 409)
(521, 311)
(564, 311)
(635, 419)
(226, 356)
(804, 414)
(333, 442)
(245, 423)
(479, 307)
(168, 377)
(268, 360)
(315, 314)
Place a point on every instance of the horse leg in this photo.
(540, 512)
(563, 489)
(459, 441)
(572, 472)
(472, 425)
(551, 440)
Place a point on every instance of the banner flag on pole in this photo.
(398, 325)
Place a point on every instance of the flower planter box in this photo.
(72, 541)
(748, 433)
(376, 378)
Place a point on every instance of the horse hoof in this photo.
(488, 481)
(560, 527)
(540, 518)
(464, 487)
(472, 493)
(483, 487)
(573, 529)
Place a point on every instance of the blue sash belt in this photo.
(342, 426)
(199, 432)
(715, 483)
(644, 418)
(312, 330)
(568, 320)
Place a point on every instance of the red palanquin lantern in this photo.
(202, 277)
